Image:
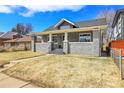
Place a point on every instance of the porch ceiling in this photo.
(94, 28)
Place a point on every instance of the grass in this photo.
(6, 57)
(68, 71)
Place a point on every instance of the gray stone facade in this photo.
(66, 47)
(42, 47)
(81, 48)
(73, 46)
(87, 48)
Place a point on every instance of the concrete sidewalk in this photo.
(9, 82)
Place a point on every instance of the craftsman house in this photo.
(7, 36)
(83, 37)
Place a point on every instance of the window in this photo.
(17, 44)
(65, 27)
(85, 37)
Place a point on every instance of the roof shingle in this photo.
(8, 35)
(81, 24)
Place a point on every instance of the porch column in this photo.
(66, 44)
(50, 43)
(41, 39)
(66, 37)
(33, 43)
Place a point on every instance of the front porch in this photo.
(52, 43)
(82, 42)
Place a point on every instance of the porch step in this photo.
(57, 51)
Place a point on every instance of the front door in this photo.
(57, 42)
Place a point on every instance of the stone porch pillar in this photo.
(33, 43)
(66, 44)
(41, 37)
(50, 43)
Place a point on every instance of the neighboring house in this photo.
(118, 25)
(23, 43)
(7, 36)
(83, 37)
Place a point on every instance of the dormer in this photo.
(64, 24)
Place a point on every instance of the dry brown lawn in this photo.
(68, 71)
(6, 57)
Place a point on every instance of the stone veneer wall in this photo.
(86, 48)
(42, 47)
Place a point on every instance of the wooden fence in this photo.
(117, 53)
(118, 44)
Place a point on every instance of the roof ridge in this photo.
(99, 21)
(3, 34)
(90, 20)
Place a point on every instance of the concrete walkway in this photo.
(9, 82)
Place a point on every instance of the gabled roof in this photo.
(1, 33)
(118, 12)
(8, 35)
(62, 20)
(90, 23)
(81, 24)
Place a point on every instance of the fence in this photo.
(117, 44)
(117, 56)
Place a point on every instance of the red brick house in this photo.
(23, 43)
(7, 36)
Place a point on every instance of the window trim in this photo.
(86, 33)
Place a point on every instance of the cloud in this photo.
(34, 9)
(8, 8)
(30, 10)
(5, 9)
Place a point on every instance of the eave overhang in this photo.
(85, 29)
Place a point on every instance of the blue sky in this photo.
(42, 17)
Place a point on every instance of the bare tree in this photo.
(28, 28)
(13, 29)
(102, 14)
(22, 29)
(109, 16)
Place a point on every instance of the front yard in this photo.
(68, 71)
(6, 57)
